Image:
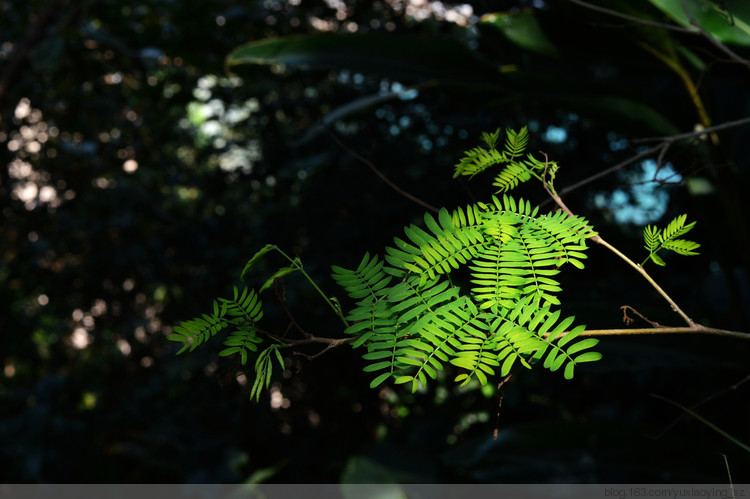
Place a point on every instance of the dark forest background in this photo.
(138, 174)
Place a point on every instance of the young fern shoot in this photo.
(657, 239)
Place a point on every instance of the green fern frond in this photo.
(368, 284)
(570, 356)
(555, 339)
(477, 160)
(368, 280)
(370, 320)
(241, 341)
(296, 265)
(439, 335)
(255, 259)
(677, 228)
(511, 176)
(515, 143)
(656, 240)
(682, 246)
(245, 306)
(507, 205)
(429, 255)
(514, 343)
(469, 217)
(563, 234)
(490, 138)
(194, 332)
(651, 236)
(264, 370)
(241, 312)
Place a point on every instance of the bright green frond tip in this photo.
(491, 138)
(479, 159)
(656, 239)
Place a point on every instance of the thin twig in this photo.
(310, 340)
(610, 170)
(635, 20)
(315, 356)
(689, 135)
(281, 296)
(704, 401)
(380, 174)
(704, 421)
(628, 320)
(666, 143)
(499, 405)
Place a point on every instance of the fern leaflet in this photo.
(657, 239)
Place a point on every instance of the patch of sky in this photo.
(555, 135)
(403, 92)
(644, 199)
(425, 143)
(616, 142)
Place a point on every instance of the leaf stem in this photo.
(298, 265)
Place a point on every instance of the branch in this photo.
(380, 174)
(599, 240)
(611, 169)
(707, 399)
(308, 340)
(690, 135)
(633, 19)
(666, 143)
(697, 329)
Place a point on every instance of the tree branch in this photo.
(661, 149)
(697, 329)
(377, 172)
(689, 135)
(599, 240)
(635, 20)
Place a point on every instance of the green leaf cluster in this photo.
(240, 315)
(516, 168)
(657, 239)
(413, 320)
